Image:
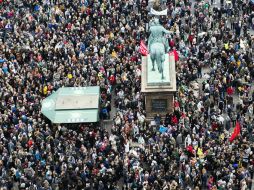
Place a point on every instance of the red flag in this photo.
(236, 131)
(175, 53)
(143, 49)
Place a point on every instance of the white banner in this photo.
(159, 13)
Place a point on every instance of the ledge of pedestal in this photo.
(150, 80)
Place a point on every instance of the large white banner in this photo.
(159, 13)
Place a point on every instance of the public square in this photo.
(82, 109)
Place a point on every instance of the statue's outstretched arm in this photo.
(166, 31)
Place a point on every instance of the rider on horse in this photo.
(157, 35)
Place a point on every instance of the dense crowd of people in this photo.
(48, 44)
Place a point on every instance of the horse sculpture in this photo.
(157, 54)
(158, 45)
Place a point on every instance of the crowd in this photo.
(48, 44)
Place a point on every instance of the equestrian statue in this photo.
(158, 44)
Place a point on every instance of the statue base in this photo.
(159, 94)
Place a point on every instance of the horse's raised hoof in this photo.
(162, 77)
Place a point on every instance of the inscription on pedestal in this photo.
(159, 105)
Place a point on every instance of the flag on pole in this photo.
(143, 49)
(236, 132)
(175, 54)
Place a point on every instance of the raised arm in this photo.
(166, 31)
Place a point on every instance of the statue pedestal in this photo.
(159, 94)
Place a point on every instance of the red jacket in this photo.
(176, 104)
(191, 37)
(174, 120)
(30, 143)
(172, 43)
(230, 91)
(190, 149)
(112, 79)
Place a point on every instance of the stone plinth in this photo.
(159, 94)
